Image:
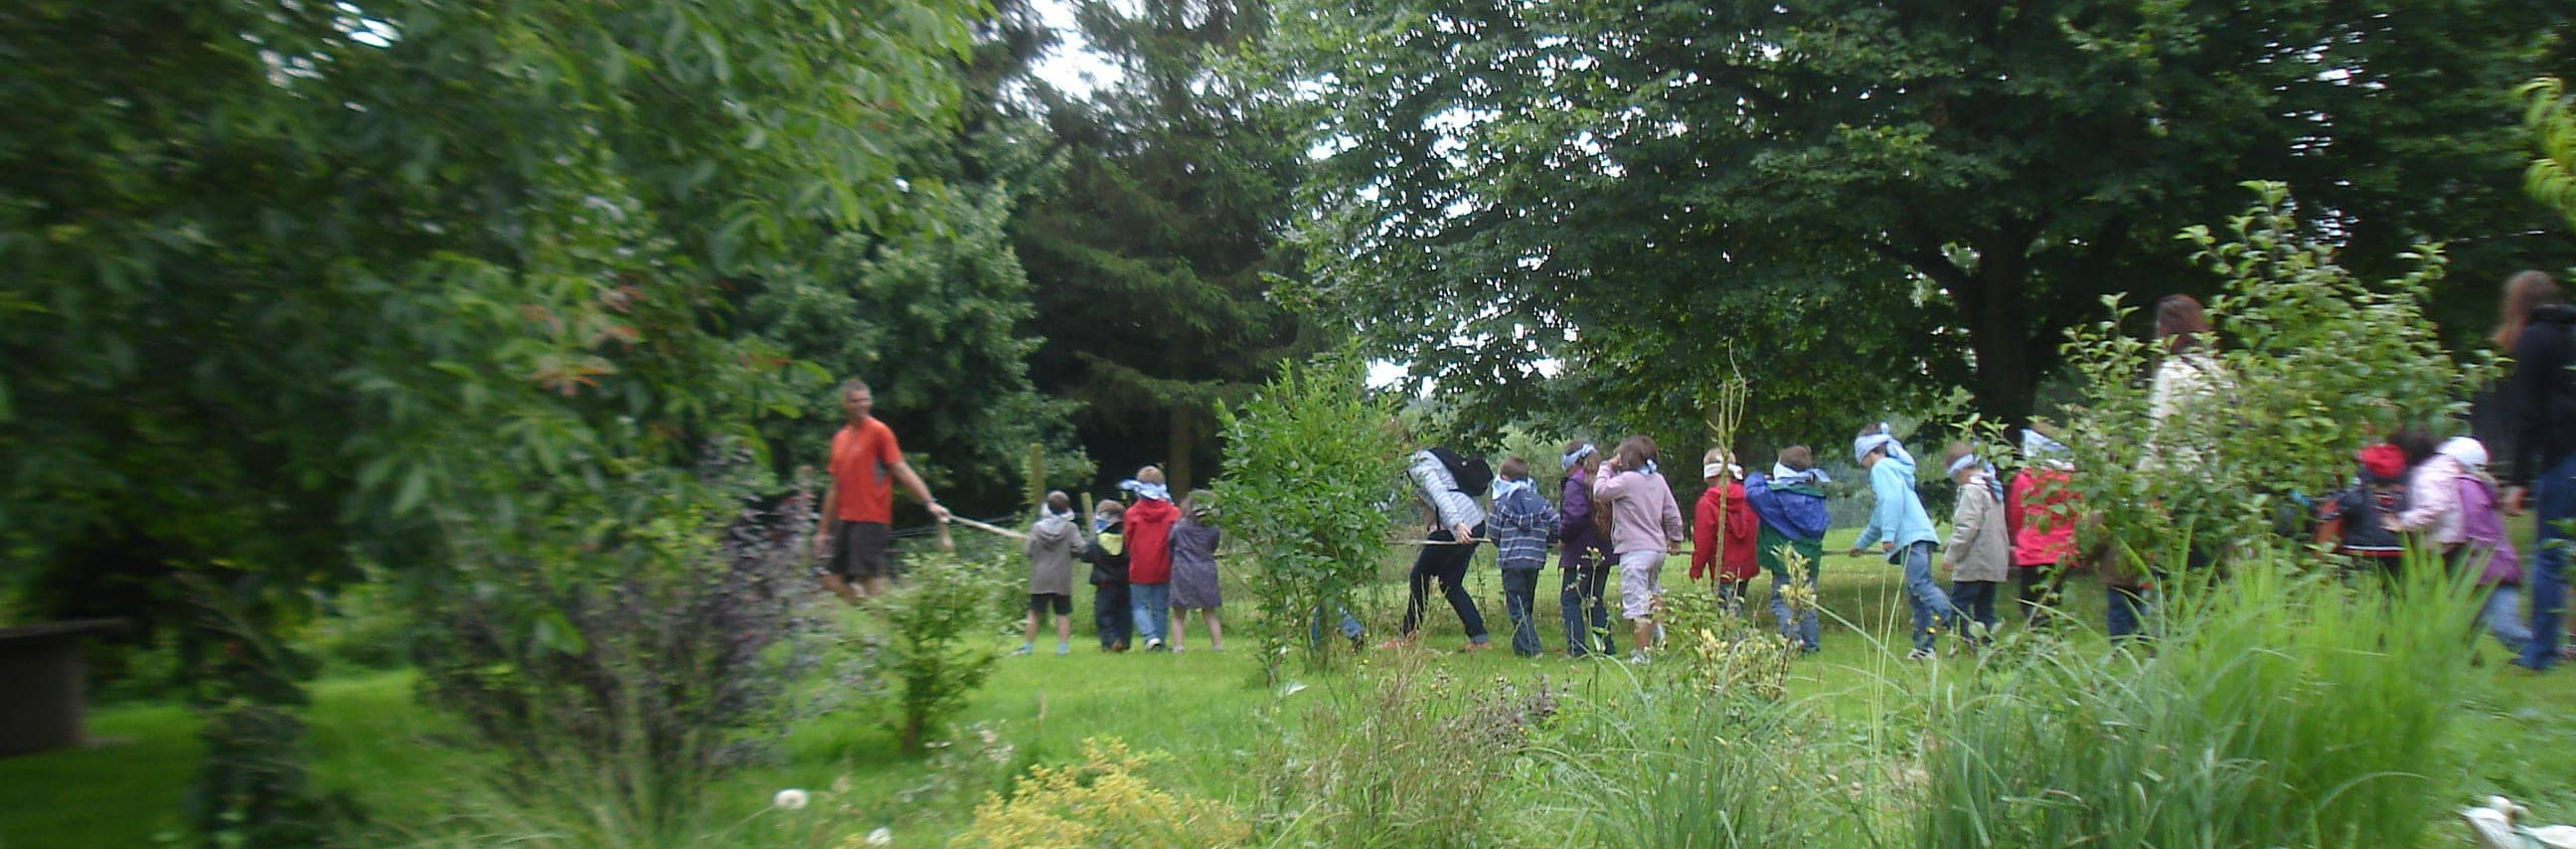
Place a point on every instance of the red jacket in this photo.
(1149, 541)
(2043, 526)
(1742, 527)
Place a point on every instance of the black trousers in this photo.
(1448, 565)
(1110, 614)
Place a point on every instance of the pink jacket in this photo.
(2039, 507)
(2433, 500)
(1643, 515)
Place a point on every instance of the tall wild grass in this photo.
(2283, 707)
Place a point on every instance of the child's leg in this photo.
(1180, 628)
(1216, 632)
(1931, 606)
(1064, 626)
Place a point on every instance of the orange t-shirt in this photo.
(863, 456)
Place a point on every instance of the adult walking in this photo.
(1448, 486)
(857, 525)
(2540, 331)
(1645, 523)
(1586, 561)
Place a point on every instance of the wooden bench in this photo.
(41, 706)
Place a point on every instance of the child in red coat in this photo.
(1734, 553)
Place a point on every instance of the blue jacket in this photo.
(1797, 512)
(1899, 516)
(1521, 526)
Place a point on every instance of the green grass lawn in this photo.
(1205, 708)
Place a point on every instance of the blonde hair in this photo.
(1149, 474)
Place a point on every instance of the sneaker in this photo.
(1062, 649)
(1022, 651)
(1154, 645)
(1477, 647)
(1920, 654)
(1178, 648)
(1637, 656)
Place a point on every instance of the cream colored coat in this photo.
(1980, 547)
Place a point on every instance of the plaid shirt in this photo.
(1521, 526)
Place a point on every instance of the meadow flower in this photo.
(883, 836)
(789, 799)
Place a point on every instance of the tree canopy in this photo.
(1861, 202)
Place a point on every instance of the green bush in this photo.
(2320, 364)
(2283, 711)
(1307, 460)
(936, 650)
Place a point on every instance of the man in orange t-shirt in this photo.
(858, 509)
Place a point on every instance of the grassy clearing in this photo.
(1204, 708)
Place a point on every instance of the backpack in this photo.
(1471, 474)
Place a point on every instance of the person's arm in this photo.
(1883, 516)
(2014, 497)
(823, 524)
(912, 484)
(1967, 520)
(1703, 536)
(1673, 529)
(2428, 499)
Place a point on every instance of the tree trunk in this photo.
(1999, 328)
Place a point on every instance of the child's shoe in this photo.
(1154, 644)
(1476, 647)
(1920, 654)
(1062, 649)
(1022, 651)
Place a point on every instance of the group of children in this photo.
(1153, 562)
(2441, 493)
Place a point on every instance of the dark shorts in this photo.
(1039, 602)
(859, 550)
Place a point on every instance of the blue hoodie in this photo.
(1899, 516)
(1797, 512)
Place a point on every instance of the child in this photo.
(1979, 553)
(2453, 502)
(1111, 612)
(1903, 531)
(1448, 486)
(1194, 570)
(1149, 555)
(2040, 509)
(1050, 551)
(1587, 559)
(2359, 515)
(1644, 524)
(1522, 526)
(1791, 506)
(1721, 507)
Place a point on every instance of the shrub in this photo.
(617, 665)
(2320, 363)
(2285, 711)
(936, 650)
(1307, 458)
(1104, 801)
(1724, 652)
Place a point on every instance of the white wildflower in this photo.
(883, 836)
(789, 799)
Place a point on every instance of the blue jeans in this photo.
(1803, 631)
(1350, 625)
(2127, 613)
(2544, 570)
(1976, 601)
(1152, 604)
(1520, 590)
(1581, 595)
(1932, 610)
(2503, 617)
